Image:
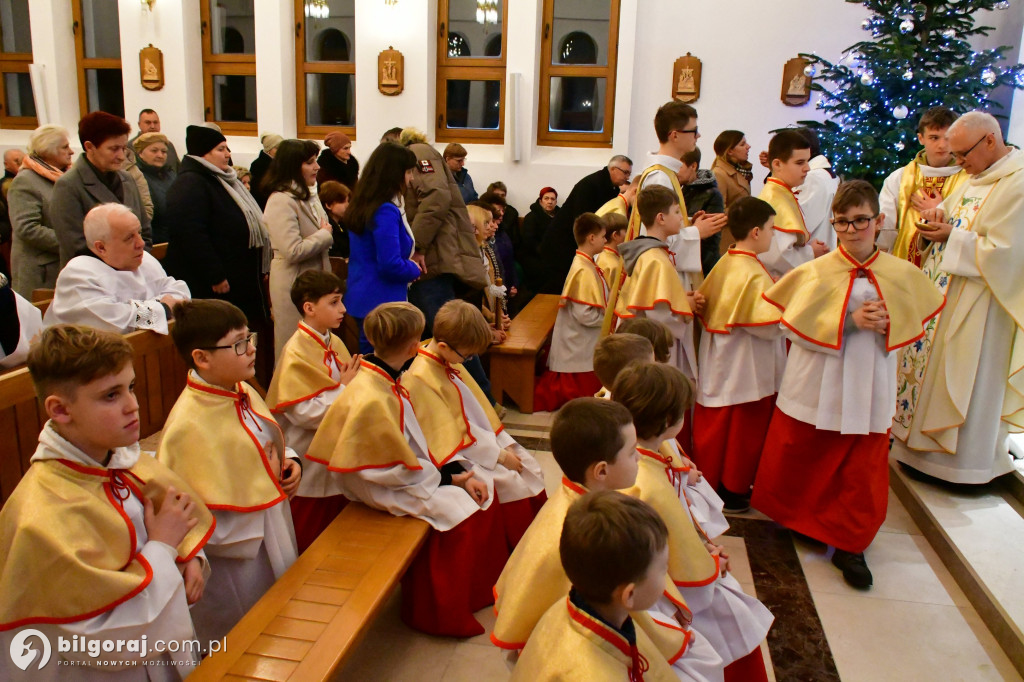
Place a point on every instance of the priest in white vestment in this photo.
(960, 387)
(115, 286)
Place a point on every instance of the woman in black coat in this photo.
(535, 225)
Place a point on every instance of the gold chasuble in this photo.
(912, 180)
(813, 297)
(571, 645)
(439, 407)
(654, 280)
(206, 442)
(610, 263)
(364, 427)
(584, 284)
(64, 528)
(660, 478)
(733, 291)
(789, 217)
(304, 368)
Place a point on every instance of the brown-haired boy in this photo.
(98, 540)
(657, 333)
(614, 550)
(594, 443)
(372, 442)
(657, 396)
(824, 471)
(788, 155)
(459, 423)
(920, 185)
(313, 369)
(221, 437)
(742, 356)
(581, 312)
(609, 260)
(615, 352)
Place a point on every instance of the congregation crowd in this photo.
(712, 351)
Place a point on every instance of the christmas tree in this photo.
(918, 56)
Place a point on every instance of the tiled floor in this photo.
(914, 624)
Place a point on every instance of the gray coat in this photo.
(34, 255)
(77, 191)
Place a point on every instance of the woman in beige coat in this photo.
(300, 232)
(732, 173)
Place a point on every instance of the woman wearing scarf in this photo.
(35, 260)
(217, 242)
(732, 173)
(151, 159)
(300, 232)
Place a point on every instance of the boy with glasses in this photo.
(824, 471)
(221, 439)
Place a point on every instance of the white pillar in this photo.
(275, 68)
(53, 46)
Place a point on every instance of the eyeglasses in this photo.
(625, 171)
(241, 347)
(692, 131)
(962, 156)
(859, 224)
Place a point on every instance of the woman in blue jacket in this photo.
(382, 260)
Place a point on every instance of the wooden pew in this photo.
(312, 618)
(43, 306)
(159, 251)
(159, 379)
(513, 363)
(42, 295)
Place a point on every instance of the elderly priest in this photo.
(115, 285)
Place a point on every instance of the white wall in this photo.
(743, 45)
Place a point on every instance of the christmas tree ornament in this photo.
(1004, 4)
(810, 70)
(949, 34)
(989, 76)
(906, 26)
(899, 146)
(866, 24)
(900, 112)
(867, 78)
(865, 106)
(908, 74)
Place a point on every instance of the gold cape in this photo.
(913, 179)
(572, 646)
(612, 267)
(633, 231)
(584, 284)
(303, 370)
(616, 205)
(813, 297)
(659, 480)
(789, 217)
(733, 291)
(533, 579)
(654, 280)
(62, 528)
(205, 442)
(365, 427)
(438, 404)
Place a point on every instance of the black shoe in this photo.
(735, 503)
(854, 568)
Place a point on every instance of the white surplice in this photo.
(742, 366)
(92, 293)
(30, 321)
(783, 255)
(815, 199)
(686, 244)
(576, 333)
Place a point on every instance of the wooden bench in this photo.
(159, 379)
(159, 251)
(312, 618)
(513, 363)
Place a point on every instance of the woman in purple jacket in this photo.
(382, 261)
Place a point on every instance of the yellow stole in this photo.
(654, 280)
(438, 404)
(913, 179)
(634, 219)
(304, 368)
(205, 442)
(64, 528)
(789, 217)
(570, 644)
(584, 283)
(733, 291)
(610, 263)
(365, 427)
(659, 480)
(813, 297)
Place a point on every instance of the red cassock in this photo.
(727, 442)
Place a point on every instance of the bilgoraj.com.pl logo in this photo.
(31, 648)
(23, 654)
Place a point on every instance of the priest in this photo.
(960, 387)
(115, 285)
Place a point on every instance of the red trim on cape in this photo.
(800, 210)
(600, 276)
(462, 410)
(280, 407)
(599, 629)
(573, 486)
(708, 581)
(687, 638)
(199, 545)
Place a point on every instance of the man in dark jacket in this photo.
(259, 166)
(589, 194)
(700, 190)
(95, 178)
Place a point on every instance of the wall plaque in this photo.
(796, 84)
(390, 71)
(686, 79)
(151, 67)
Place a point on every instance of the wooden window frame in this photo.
(303, 68)
(549, 70)
(84, 63)
(14, 62)
(223, 65)
(473, 69)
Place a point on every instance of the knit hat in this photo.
(335, 140)
(146, 139)
(100, 126)
(199, 140)
(270, 141)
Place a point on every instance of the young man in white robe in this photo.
(817, 191)
(116, 286)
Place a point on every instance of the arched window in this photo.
(332, 46)
(229, 64)
(325, 69)
(233, 41)
(578, 48)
